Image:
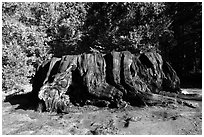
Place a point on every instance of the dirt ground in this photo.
(89, 120)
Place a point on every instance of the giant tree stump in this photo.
(109, 80)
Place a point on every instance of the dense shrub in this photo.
(23, 46)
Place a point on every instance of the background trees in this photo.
(33, 32)
(186, 54)
(123, 26)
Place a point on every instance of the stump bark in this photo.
(113, 79)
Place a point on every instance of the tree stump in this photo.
(111, 79)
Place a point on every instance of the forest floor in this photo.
(89, 120)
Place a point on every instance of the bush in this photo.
(23, 47)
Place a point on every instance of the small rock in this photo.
(135, 119)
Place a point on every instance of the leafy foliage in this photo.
(125, 26)
(64, 27)
(23, 44)
(35, 31)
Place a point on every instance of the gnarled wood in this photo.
(112, 79)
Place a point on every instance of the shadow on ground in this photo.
(24, 101)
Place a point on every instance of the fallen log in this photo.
(166, 100)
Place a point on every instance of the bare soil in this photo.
(175, 119)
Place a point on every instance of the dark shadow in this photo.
(145, 61)
(191, 80)
(78, 92)
(24, 101)
(109, 69)
(54, 71)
